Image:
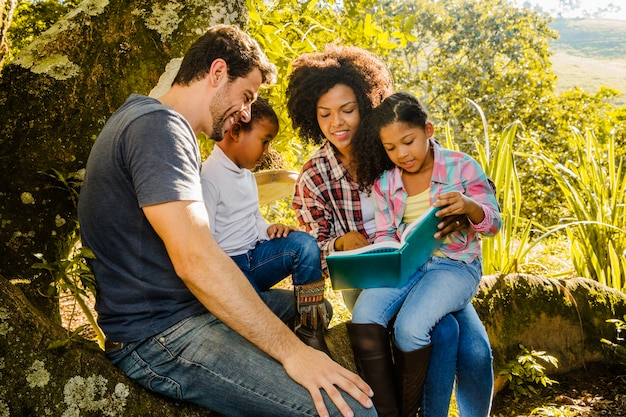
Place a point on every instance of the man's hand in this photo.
(315, 371)
(279, 230)
(351, 240)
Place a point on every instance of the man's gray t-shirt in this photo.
(146, 154)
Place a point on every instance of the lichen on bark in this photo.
(54, 99)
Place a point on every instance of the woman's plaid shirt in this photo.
(326, 200)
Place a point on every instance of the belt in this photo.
(110, 345)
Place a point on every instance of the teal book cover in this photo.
(386, 264)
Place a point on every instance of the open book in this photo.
(386, 264)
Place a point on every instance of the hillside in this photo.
(592, 38)
(589, 54)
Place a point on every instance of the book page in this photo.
(430, 212)
(374, 247)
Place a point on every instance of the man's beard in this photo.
(218, 113)
(218, 128)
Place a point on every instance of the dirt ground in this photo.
(598, 391)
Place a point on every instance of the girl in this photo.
(329, 94)
(408, 171)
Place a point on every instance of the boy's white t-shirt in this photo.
(232, 201)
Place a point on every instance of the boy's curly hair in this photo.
(368, 153)
(260, 109)
(313, 74)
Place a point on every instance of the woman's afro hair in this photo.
(313, 74)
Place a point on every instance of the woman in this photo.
(328, 95)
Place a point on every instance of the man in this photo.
(180, 317)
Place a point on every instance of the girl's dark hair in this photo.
(313, 74)
(260, 109)
(368, 154)
(240, 52)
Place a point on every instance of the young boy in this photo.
(266, 253)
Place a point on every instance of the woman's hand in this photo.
(451, 224)
(455, 203)
(351, 240)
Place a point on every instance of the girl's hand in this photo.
(455, 203)
(279, 230)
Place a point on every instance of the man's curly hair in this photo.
(313, 74)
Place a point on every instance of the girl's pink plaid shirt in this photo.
(452, 171)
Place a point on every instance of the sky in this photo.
(591, 6)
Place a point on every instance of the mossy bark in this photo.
(54, 99)
(6, 12)
(75, 379)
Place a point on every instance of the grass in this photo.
(590, 54)
(588, 73)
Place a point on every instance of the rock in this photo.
(566, 318)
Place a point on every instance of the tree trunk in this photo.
(565, 318)
(73, 379)
(6, 12)
(54, 99)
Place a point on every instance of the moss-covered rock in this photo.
(566, 318)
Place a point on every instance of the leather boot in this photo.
(313, 338)
(314, 315)
(372, 355)
(411, 370)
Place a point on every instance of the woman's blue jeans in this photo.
(270, 261)
(460, 348)
(201, 360)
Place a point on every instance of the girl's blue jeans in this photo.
(439, 287)
(460, 349)
(272, 260)
(202, 361)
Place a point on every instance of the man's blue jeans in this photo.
(272, 260)
(201, 360)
